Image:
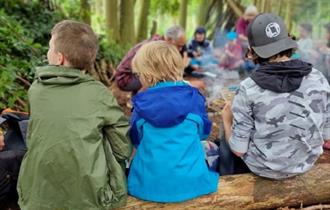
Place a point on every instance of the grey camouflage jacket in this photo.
(281, 134)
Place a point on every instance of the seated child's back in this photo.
(168, 122)
(77, 136)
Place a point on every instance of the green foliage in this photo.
(111, 52)
(24, 35)
(165, 7)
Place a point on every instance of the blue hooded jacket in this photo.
(168, 122)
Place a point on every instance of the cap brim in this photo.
(267, 51)
(2, 120)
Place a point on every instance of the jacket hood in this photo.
(281, 77)
(52, 75)
(166, 106)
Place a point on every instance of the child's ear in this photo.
(60, 59)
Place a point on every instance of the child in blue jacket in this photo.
(168, 122)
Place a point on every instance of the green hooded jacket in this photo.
(77, 144)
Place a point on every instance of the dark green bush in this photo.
(24, 36)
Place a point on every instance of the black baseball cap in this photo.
(268, 35)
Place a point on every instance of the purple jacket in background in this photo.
(242, 26)
(125, 79)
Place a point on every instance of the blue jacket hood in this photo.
(167, 104)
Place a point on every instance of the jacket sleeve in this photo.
(135, 133)
(125, 79)
(116, 128)
(243, 123)
(239, 27)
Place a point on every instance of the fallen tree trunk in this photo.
(247, 191)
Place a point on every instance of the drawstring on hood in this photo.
(281, 77)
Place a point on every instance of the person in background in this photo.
(197, 48)
(242, 26)
(169, 120)
(126, 80)
(305, 43)
(232, 56)
(77, 138)
(280, 116)
(199, 45)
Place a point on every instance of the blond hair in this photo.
(77, 42)
(158, 61)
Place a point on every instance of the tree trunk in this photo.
(238, 12)
(183, 13)
(143, 21)
(153, 30)
(259, 5)
(279, 8)
(247, 191)
(270, 7)
(85, 11)
(99, 7)
(202, 13)
(111, 19)
(288, 17)
(127, 29)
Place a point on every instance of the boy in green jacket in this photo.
(78, 136)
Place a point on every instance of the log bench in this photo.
(247, 191)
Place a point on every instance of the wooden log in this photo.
(238, 12)
(248, 191)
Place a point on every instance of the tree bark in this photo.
(143, 21)
(269, 6)
(111, 19)
(99, 7)
(279, 8)
(259, 6)
(127, 29)
(153, 30)
(85, 11)
(202, 13)
(183, 13)
(247, 191)
(238, 12)
(288, 17)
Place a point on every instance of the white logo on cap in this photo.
(273, 30)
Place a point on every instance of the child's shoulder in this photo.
(248, 83)
(316, 77)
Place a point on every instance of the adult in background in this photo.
(199, 45)
(242, 26)
(126, 80)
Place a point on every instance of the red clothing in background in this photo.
(233, 56)
(242, 26)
